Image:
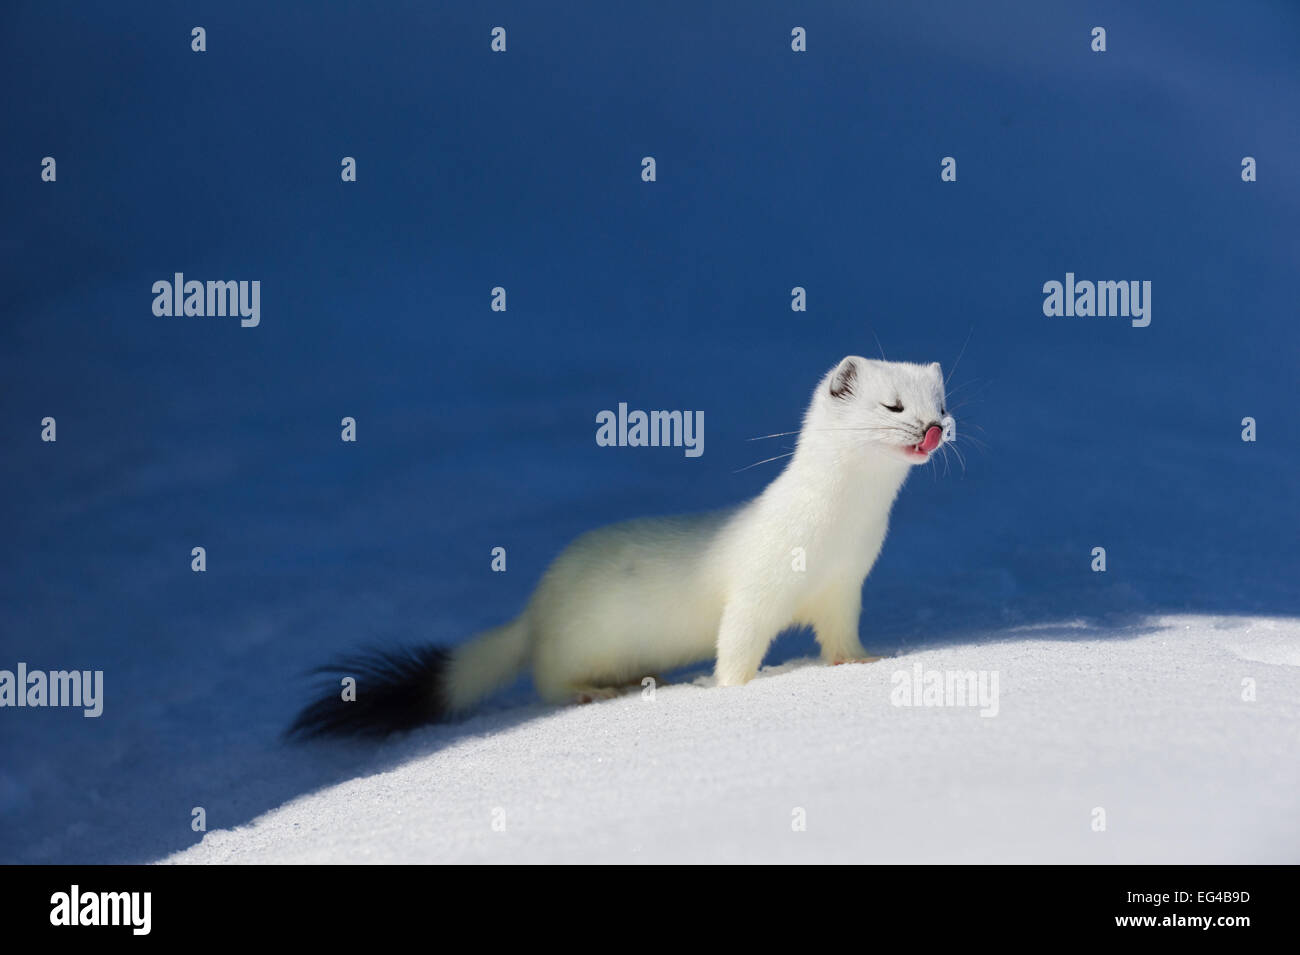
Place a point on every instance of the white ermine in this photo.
(643, 597)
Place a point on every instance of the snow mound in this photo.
(1153, 735)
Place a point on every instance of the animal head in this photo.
(889, 407)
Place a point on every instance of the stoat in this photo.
(646, 596)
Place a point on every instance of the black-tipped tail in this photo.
(395, 690)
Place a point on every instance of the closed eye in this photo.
(896, 407)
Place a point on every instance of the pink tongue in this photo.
(931, 439)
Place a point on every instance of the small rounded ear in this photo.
(843, 379)
(934, 367)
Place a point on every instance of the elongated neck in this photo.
(835, 461)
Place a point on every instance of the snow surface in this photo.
(1150, 726)
(1119, 690)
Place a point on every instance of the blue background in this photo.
(476, 428)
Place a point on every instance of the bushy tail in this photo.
(402, 689)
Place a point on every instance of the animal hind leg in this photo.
(593, 694)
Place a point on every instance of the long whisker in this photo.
(956, 408)
(967, 384)
(783, 434)
(959, 355)
(959, 457)
(764, 461)
(965, 402)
